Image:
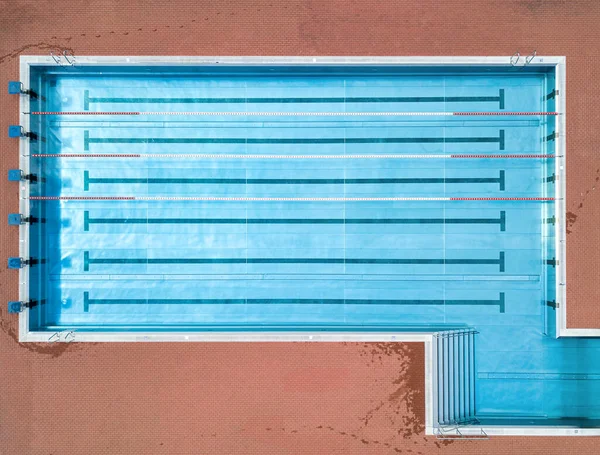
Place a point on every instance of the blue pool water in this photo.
(327, 265)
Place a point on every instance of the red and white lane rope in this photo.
(82, 198)
(280, 199)
(284, 157)
(83, 113)
(504, 113)
(297, 114)
(526, 156)
(85, 155)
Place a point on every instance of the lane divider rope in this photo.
(84, 155)
(280, 199)
(282, 157)
(82, 198)
(505, 113)
(83, 113)
(299, 114)
(505, 156)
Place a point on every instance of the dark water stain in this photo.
(408, 392)
(405, 400)
(535, 5)
(54, 350)
(571, 216)
(371, 413)
(56, 47)
(564, 7)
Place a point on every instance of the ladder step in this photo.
(456, 379)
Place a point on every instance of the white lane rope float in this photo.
(282, 199)
(288, 157)
(296, 114)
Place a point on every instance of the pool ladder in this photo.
(515, 59)
(65, 336)
(457, 434)
(67, 56)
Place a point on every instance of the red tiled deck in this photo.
(196, 398)
(277, 398)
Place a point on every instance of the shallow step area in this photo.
(455, 380)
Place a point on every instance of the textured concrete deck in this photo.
(280, 398)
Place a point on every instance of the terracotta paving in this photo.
(277, 398)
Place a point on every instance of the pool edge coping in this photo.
(543, 61)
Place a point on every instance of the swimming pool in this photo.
(326, 199)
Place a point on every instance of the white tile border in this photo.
(276, 60)
(24, 121)
(27, 61)
(503, 61)
(245, 337)
(560, 213)
(475, 430)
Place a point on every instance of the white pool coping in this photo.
(501, 61)
(427, 338)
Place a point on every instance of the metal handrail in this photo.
(67, 55)
(530, 57)
(440, 434)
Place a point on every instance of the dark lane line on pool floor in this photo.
(87, 140)
(87, 261)
(501, 221)
(500, 302)
(87, 180)
(87, 100)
